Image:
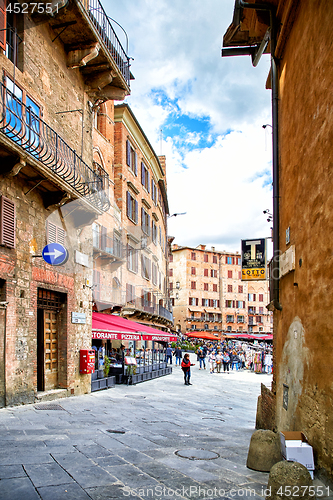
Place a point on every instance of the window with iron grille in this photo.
(7, 222)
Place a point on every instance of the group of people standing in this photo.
(223, 357)
(220, 358)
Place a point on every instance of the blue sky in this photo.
(209, 113)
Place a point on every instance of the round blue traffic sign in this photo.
(55, 254)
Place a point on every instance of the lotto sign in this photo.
(254, 260)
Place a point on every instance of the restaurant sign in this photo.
(254, 263)
(105, 335)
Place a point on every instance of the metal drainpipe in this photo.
(275, 122)
(4, 306)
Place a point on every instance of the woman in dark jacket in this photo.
(186, 367)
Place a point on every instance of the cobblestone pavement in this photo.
(122, 442)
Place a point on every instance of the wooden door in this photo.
(50, 350)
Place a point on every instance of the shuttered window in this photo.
(132, 208)
(131, 157)
(3, 23)
(7, 222)
(55, 234)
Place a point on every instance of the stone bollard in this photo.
(288, 480)
(264, 450)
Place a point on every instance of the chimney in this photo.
(213, 249)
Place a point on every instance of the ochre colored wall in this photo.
(304, 327)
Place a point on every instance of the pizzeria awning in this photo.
(110, 326)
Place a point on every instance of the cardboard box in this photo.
(295, 447)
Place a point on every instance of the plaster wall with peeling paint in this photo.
(303, 330)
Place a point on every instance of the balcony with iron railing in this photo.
(105, 246)
(102, 23)
(92, 45)
(30, 135)
(133, 305)
(141, 304)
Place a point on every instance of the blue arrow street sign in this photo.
(55, 254)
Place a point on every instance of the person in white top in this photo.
(211, 361)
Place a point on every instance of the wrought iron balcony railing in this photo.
(108, 35)
(26, 129)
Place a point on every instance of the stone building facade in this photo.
(300, 78)
(50, 190)
(129, 239)
(209, 295)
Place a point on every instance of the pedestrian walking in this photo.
(202, 359)
(178, 355)
(186, 367)
(168, 355)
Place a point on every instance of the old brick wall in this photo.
(304, 332)
(23, 274)
(47, 80)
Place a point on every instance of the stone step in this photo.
(50, 395)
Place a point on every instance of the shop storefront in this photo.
(131, 348)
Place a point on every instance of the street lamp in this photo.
(175, 215)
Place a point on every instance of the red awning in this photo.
(202, 335)
(110, 326)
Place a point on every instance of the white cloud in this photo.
(179, 72)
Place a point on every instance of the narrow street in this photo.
(122, 442)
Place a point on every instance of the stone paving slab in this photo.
(67, 454)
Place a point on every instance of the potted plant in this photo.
(106, 367)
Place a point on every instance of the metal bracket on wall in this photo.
(62, 25)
